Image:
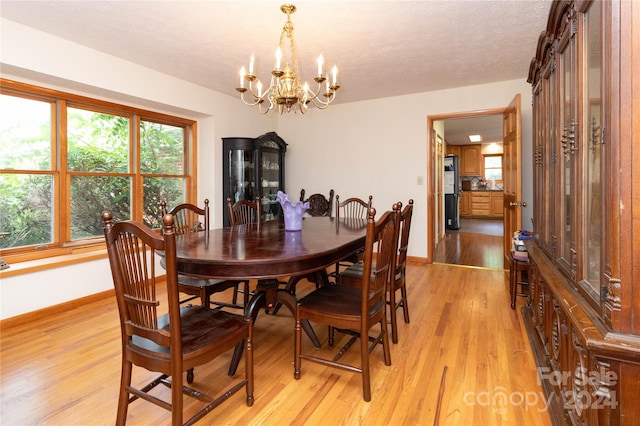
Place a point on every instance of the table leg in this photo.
(260, 300)
(319, 278)
(289, 300)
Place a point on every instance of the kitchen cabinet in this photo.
(465, 203)
(481, 203)
(582, 313)
(254, 167)
(497, 204)
(470, 160)
(484, 204)
(453, 150)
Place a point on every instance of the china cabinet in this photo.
(582, 314)
(254, 167)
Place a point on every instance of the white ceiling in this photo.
(382, 48)
(457, 130)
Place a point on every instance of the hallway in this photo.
(478, 243)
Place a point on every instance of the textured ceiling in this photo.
(382, 48)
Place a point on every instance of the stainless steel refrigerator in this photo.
(452, 192)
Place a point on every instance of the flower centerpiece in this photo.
(292, 212)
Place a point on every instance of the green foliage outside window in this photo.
(101, 169)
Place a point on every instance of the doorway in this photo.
(476, 242)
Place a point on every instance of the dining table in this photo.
(266, 251)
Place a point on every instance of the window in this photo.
(492, 168)
(67, 158)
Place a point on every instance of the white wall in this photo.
(376, 147)
(379, 147)
(34, 57)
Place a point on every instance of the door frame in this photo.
(431, 158)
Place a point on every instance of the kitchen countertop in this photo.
(484, 190)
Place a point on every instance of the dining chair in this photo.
(352, 276)
(191, 218)
(351, 208)
(319, 205)
(244, 212)
(355, 309)
(173, 342)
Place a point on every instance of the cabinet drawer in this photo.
(481, 203)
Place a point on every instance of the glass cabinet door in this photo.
(270, 184)
(568, 143)
(239, 173)
(592, 151)
(548, 158)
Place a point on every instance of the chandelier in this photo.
(285, 92)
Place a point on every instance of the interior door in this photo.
(439, 189)
(512, 145)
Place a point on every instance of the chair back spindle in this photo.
(244, 212)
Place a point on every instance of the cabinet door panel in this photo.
(568, 144)
(470, 160)
(592, 130)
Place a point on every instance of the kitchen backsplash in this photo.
(469, 183)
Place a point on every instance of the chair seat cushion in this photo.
(201, 328)
(196, 282)
(353, 271)
(339, 300)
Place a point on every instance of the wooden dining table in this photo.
(267, 252)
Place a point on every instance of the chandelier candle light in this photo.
(285, 93)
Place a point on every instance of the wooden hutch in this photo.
(582, 313)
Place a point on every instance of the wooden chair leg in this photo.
(177, 401)
(248, 363)
(234, 300)
(385, 342)
(405, 306)
(364, 364)
(394, 316)
(123, 399)
(297, 349)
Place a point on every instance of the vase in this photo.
(293, 213)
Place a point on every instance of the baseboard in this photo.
(54, 310)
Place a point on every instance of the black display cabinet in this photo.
(254, 167)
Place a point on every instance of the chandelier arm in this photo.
(261, 109)
(257, 101)
(317, 101)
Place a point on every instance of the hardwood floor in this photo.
(478, 242)
(464, 359)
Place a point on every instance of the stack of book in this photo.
(518, 250)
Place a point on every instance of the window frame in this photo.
(61, 235)
(484, 168)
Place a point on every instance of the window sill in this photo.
(26, 267)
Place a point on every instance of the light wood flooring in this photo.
(478, 242)
(463, 360)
